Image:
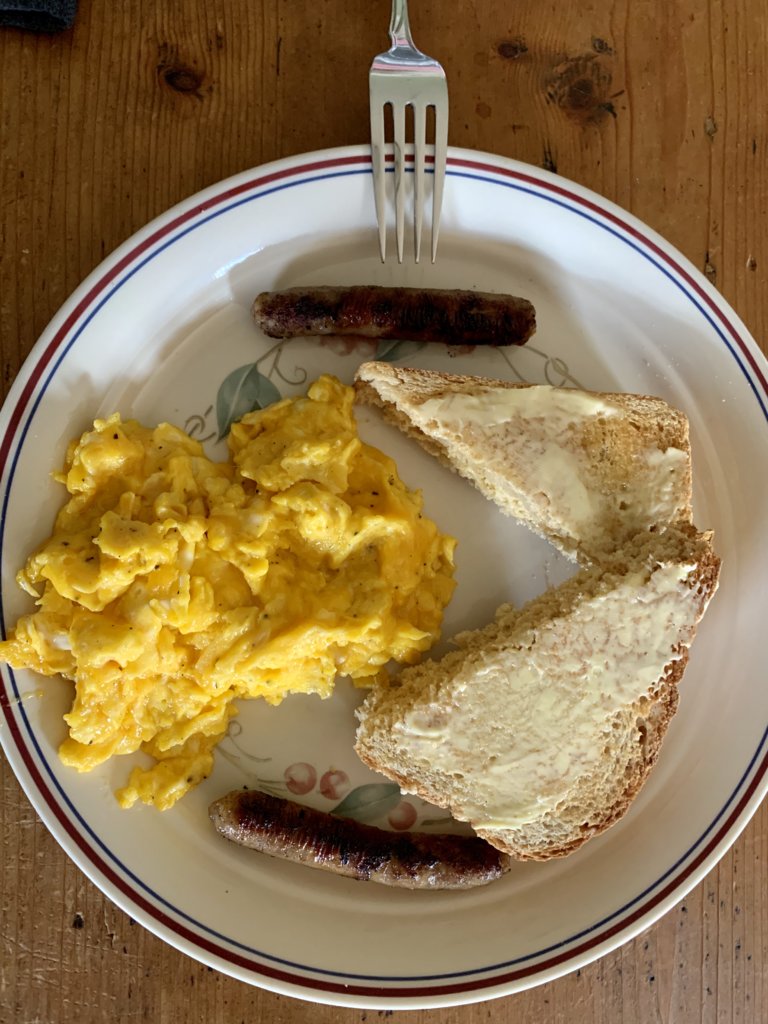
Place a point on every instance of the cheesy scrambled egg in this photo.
(173, 585)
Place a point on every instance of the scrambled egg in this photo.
(173, 585)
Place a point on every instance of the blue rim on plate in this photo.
(93, 854)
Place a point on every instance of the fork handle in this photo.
(399, 27)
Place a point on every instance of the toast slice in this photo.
(541, 728)
(586, 470)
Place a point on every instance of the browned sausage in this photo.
(414, 314)
(416, 860)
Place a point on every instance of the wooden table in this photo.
(657, 105)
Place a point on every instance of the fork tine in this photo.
(378, 167)
(419, 138)
(441, 155)
(398, 116)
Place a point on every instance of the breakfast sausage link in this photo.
(415, 314)
(303, 835)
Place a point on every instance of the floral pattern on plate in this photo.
(253, 386)
(375, 803)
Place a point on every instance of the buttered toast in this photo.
(585, 470)
(540, 728)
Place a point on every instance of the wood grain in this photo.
(657, 105)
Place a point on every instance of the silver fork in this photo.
(402, 77)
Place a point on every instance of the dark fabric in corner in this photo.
(38, 15)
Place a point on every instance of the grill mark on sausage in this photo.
(452, 317)
(282, 828)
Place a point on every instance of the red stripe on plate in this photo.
(71, 829)
(635, 233)
(126, 261)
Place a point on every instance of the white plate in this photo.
(155, 331)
